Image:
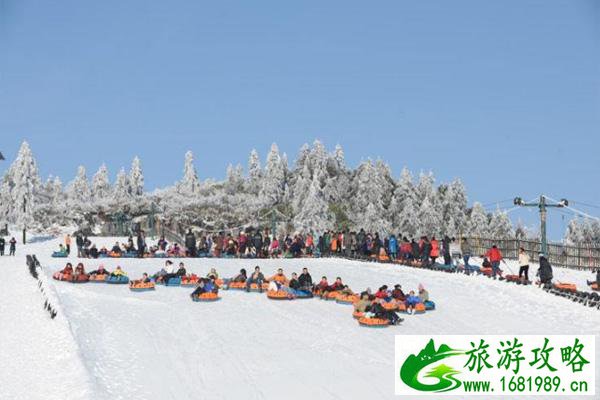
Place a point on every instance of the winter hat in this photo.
(421, 287)
(397, 286)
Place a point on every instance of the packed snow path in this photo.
(161, 345)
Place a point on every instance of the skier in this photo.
(545, 271)
(495, 256)
(523, 265)
(2, 244)
(13, 246)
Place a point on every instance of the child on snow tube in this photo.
(205, 285)
(397, 293)
(257, 278)
(100, 271)
(363, 305)
(411, 302)
(384, 294)
(423, 294)
(62, 252)
(212, 274)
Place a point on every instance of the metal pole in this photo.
(24, 226)
(543, 225)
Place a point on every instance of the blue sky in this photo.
(505, 95)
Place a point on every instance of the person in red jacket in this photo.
(435, 250)
(495, 256)
(383, 293)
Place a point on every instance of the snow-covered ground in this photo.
(110, 343)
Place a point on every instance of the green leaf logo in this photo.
(409, 372)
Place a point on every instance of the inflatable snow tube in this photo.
(373, 322)
(81, 278)
(254, 287)
(279, 295)
(330, 296)
(219, 282)
(303, 294)
(429, 305)
(390, 306)
(117, 280)
(206, 297)
(401, 307)
(188, 281)
(141, 286)
(419, 308)
(346, 299)
(98, 278)
(512, 278)
(59, 276)
(486, 271)
(236, 286)
(566, 287)
(175, 281)
(58, 254)
(357, 314)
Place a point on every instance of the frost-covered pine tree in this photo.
(24, 186)
(189, 184)
(121, 194)
(300, 189)
(500, 226)
(574, 234)
(234, 183)
(367, 206)
(5, 201)
(478, 222)
(101, 187)
(254, 173)
(136, 178)
(454, 205)
(273, 183)
(314, 215)
(425, 187)
(403, 209)
(429, 218)
(78, 192)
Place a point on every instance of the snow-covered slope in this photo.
(161, 345)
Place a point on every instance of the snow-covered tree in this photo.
(23, 185)
(189, 184)
(136, 178)
(500, 226)
(254, 172)
(429, 218)
(454, 205)
(368, 209)
(478, 222)
(100, 186)
(121, 194)
(273, 183)
(78, 191)
(314, 215)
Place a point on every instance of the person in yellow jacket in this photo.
(118, 272)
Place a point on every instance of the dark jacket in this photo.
(305, 280)
(190, 241)
(545, 271)
(294, 284)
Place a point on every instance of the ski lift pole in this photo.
(543, 206)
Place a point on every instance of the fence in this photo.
(577, 257)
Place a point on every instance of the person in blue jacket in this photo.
(393, 247)
(411, 301)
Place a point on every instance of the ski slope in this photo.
(110, 343)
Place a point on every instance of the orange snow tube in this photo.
(346, 299)
(419, 308)
(331, 295)
(98, 278)
(567, 287)
(189, 280)
(59, 276)
(391, 306)
(141, 286)
(358, 314)
(254, 287)
(401, 307)
(219, 282)
(278, 295)
(237, 285)
(373, 322)
(486, 271)
(205, 297)
(512, 278)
